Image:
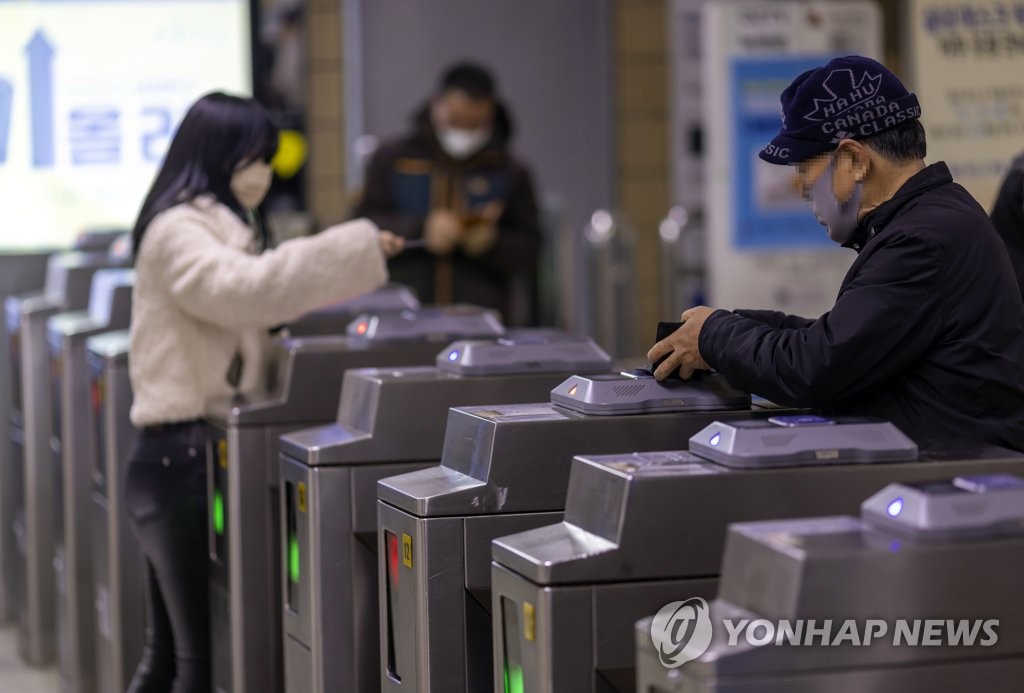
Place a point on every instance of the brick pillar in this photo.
(642, 146)
(325, 119)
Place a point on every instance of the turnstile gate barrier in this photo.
(642, 530)
(390, 421)
(118, 565)
(918, 595)
(244, 487)
(20, 273)
(72, 446)
(505, 469)
(68, 282)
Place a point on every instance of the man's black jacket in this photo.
(927, 330)
(1008, 216)
(410, 176)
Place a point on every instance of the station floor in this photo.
(15, 677)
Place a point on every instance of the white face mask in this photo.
(462, 144)
(251, 183)
(838, 218)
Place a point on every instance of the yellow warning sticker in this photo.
(406, 550)
(529, 622)
(222, 453)
(300, 491)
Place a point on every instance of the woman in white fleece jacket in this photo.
(204, 299)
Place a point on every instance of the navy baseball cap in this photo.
(849, 98)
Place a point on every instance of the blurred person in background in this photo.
(279, 83)
(1008, 216)
(205, 296)
(927, 330)
(453, 183)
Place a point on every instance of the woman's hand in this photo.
(390, 244)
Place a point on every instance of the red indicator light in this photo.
(96, 395)
(361, 328)
(393, 557)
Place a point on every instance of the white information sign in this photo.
(967, 63)
(90, 93)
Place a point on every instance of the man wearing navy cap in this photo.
(928, 328)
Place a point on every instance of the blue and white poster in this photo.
(769, 214)
(90, 94)
(765, 249)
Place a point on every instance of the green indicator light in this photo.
(514, 679)
(218, 512)
(293, 558)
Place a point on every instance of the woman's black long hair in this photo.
(218, 133)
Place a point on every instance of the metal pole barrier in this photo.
(682, 258)
(610, 244)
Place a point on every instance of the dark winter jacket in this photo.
(408, 178)
(927, 330)
(1008, 216)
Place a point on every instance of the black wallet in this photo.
(664, 330)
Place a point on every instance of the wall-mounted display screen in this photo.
(90, 94)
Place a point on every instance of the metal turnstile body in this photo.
(245, 584)
(945, 557)
(645, 529)
(118, 566)
(505, 469)
(20, 273)
(391, 421)
(334, 319)
(68, 282)
(72, 447)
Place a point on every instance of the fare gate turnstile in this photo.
(245, 585)
(68, 282)
(644, 530)
(19, 273)
(118, 567)
(334, 319)
(505, 469)
(100, 238)
(944, 558)
(72, 447)
(390, 421)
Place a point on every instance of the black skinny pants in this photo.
(165, 496)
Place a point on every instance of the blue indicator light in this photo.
(800, 420)
(716, 439)
(895, 508)
(453, 356)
